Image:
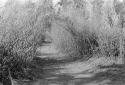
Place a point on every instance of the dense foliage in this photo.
(95, 27)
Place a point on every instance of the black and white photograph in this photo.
(62, 42)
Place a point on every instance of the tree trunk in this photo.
(121, 48)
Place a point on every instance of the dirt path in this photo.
(96, 71)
